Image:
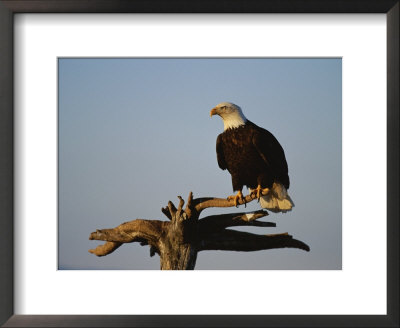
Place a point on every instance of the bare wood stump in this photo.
(178, 240)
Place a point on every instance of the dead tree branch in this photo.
(231, 240)
(178, 240)
(201, 204)
(222, 221)
(106, 248)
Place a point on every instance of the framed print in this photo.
(71, 74)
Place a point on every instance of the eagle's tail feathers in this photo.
(277, 200)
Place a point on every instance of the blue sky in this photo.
(135, 133)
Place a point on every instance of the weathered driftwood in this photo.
(178, 240)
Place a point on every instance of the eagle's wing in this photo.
(272, 153)
(220, 154)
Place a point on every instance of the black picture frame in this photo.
(11, 7)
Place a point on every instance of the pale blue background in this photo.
(135, 133)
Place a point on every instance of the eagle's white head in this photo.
(231, 115)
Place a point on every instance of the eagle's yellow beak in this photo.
(213, 111)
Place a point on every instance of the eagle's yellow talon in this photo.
(237, 197)
(265, 191)
(258, 192)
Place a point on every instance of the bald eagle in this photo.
(254, 158)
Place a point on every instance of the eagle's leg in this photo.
(237, 197)
(259, 191)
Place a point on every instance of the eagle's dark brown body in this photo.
(253, 156)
